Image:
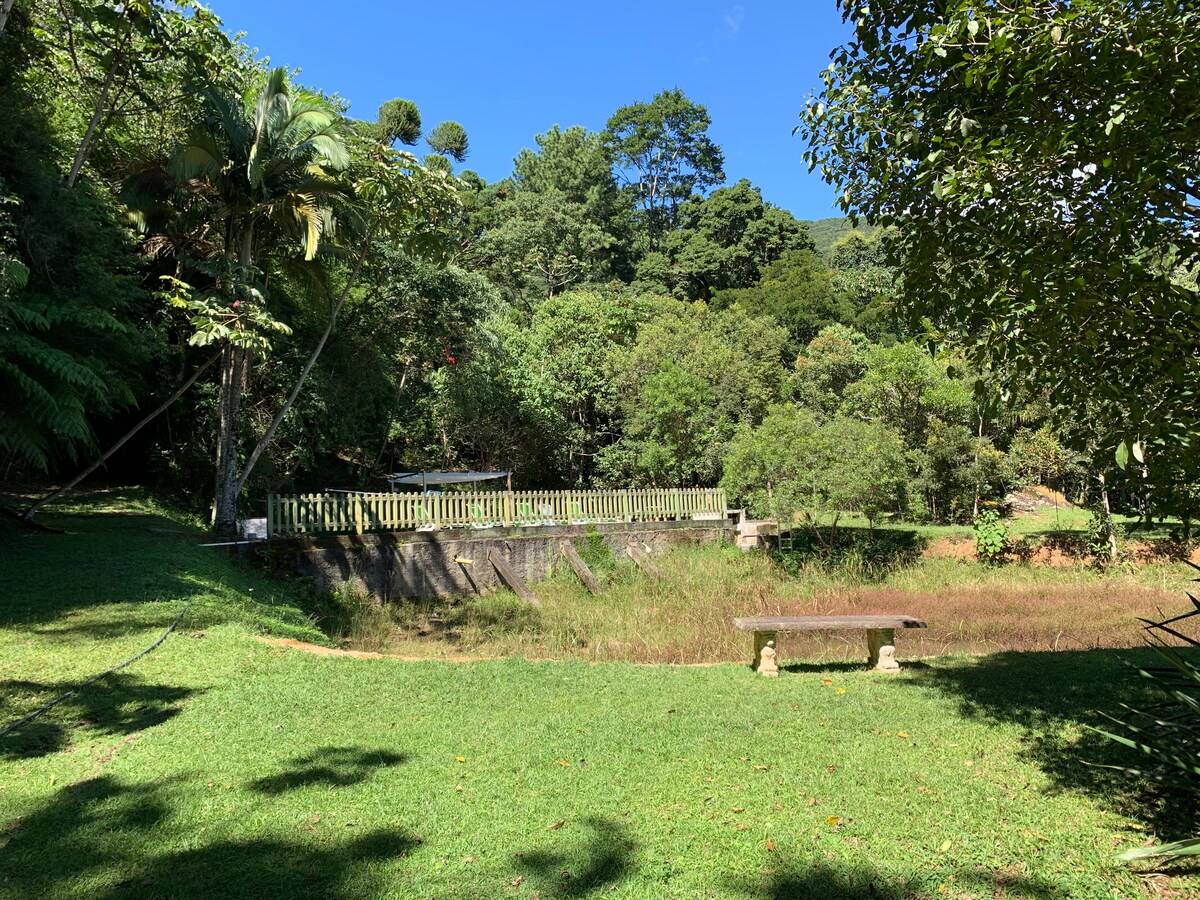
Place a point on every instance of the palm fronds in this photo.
(1167, 732)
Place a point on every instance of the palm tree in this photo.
(268, 168)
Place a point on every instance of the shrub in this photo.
(991, 537)
(1100, 537)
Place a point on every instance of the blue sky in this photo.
(509, 71)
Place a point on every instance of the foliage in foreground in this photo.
(1038, 163)
(1169, 731)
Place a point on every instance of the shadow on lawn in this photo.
(103, 829)
(329, 766)
(120, 704)
(854, 881)
(603, 861)
(1052, 696)
(816, 668)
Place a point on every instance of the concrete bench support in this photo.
(881, 634)
(881, 650)
(761, 639)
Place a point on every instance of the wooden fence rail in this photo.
(359, 513)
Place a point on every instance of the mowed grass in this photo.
(220, 766)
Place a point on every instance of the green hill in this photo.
(825, 232)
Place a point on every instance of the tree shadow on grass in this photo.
(603, 861)
(329, 766)
(816, 668)
(825, 880)
(1055, 697)
(119, 704)
(108, 831)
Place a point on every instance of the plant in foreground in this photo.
(991, 537)
(1169, 731)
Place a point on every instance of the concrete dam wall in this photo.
(454, 562)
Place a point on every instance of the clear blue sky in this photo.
(510, 70)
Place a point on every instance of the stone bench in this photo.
(881, 646)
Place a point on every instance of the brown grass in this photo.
(685, 617)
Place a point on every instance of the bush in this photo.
(991, 537)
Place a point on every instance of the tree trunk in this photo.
(89, 135)
(1110, 530)
(234, 366)
(265, 441)
(5, 8)
(33, 510)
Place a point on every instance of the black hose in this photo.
(71, 693)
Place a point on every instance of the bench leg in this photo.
(881, 650)
(761, 639)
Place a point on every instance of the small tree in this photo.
(791, 468)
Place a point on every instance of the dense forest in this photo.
(318, 300)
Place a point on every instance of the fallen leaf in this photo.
(946, 845)
(517, 881)
(826, 681)
(770, 845)
(460, 759)
(901, 734)
(557, 825)
(833, 768)
(468, 859)
(739, 809)
(564, 762)
(761, 768)
(833, 820)
(458, 787)
(812, 801)
(744, 758)
(840, 691)
(743, 827)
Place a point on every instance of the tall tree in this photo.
(1040, 161)
(266, 167)
(71, 332)
(723, 241)
(664, 154)
(131, 56)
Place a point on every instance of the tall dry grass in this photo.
(686, 616)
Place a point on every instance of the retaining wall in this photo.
(435, 563)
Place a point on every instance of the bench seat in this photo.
(881, 641)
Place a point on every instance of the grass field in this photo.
(684, 618)
(220, 766)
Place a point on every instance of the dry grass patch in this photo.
(685, 617)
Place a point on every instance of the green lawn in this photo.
(219, 766)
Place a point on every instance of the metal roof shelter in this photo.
(424, 479)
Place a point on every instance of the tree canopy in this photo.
(1039, 164)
